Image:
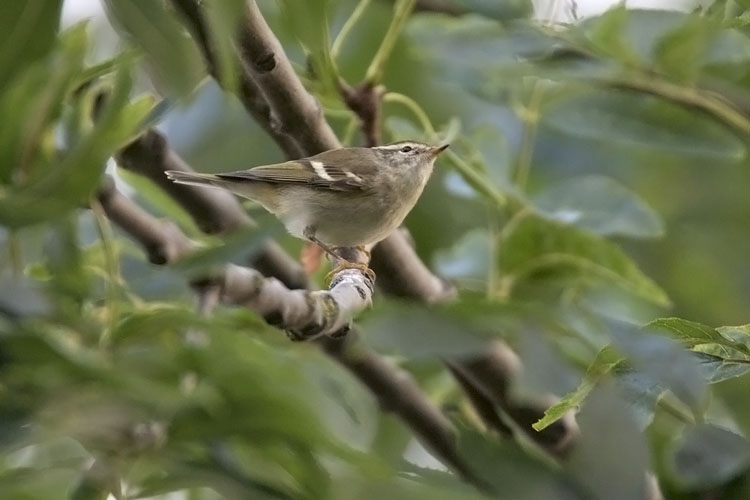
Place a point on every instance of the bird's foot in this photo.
(344, 264)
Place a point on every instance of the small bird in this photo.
(347, 197)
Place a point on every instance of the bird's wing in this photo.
(312, 172)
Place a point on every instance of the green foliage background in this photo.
(593, 213)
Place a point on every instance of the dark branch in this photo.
(295, 113)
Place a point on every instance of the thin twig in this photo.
(401, 11)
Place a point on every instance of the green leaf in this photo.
(611, 453)
(644, 122)
(239, 247)
(27, 32)
(736, 334)
(600, 205)
(631, 36)
(709, 456)
(418, 332)
(717, 369)
(694, 334)
(174, 58)
(604, 362)
(606, 33)
(663, 360)
(509, 472)
(69, 183)
(223, 19)
(33, 103)
(534, 245)
(455, 329)
(680, 51)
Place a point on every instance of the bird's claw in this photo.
(369, 273)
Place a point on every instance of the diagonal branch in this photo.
(295, 112)
(249, 93)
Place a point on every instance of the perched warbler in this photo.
(347, 197)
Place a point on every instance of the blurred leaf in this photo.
(640, 393)
(173, 56)
(468, 260)
(239, 247)
(663, 360)
(511, 473)
(607, 34)
(33, 102)
(610, 456)
(30, 26)
(631, 36)
(680, 51)
(736, 334)
(600, 205)
(709, 456)
(308, 21)
(418, 332)
(641, 121)
(65, 263)
(78, 172)
(533, 245)
(501, 11)
(694, 334)
(717, 369)
(456, 329)
(604, 362)
(151, 195)
(223, 19)
(21, 298)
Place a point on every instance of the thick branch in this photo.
(213, 210)
(491, 374)
(294, 112)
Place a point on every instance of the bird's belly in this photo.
(357, 221)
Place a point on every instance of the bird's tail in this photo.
(196, 179)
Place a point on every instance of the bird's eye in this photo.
(406, 149)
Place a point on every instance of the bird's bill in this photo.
(439, 149)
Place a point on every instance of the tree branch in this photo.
(491, 374)
(249, 93)
(213, 210)
(294, 112)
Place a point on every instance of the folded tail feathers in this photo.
(194, 178)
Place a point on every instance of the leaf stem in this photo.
(529, 114)
(359, 10)
(401, 11)
(710, 103)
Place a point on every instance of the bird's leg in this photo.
(309, 233)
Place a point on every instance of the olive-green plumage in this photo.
(341, 198)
